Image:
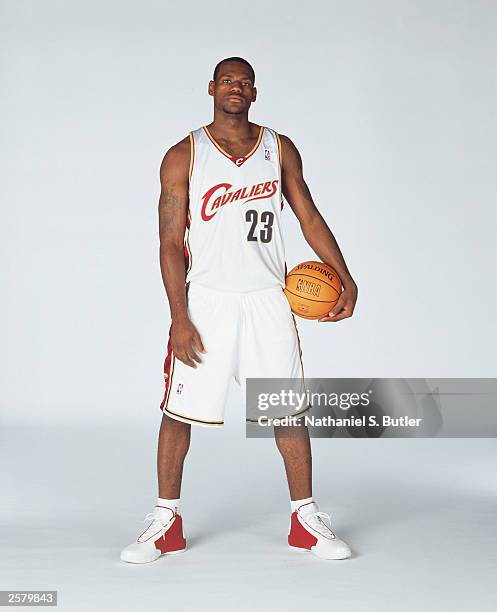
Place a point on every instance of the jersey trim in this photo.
(295, 414)
(186, 419)
(300, 347)
(238, 161)
(192, 155)
(168, 373)
(187, 251)
(186, 241)
(280, 157)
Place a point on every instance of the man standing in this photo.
(223, 265)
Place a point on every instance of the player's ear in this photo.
(254, 94)
(210, 88)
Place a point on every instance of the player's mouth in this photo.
(234, 99)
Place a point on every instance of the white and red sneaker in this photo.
(310, 530)
(164, 536)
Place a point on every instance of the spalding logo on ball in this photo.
(312, 288)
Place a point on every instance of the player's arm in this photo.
(316, 232)
(173, 211)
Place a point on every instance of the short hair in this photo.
(234, 59)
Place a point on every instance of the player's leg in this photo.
(310, 529)
(295, 448)
(164, 535)
(174, 442)
(271, 350)
(192, 396)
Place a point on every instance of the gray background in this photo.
(391, 105)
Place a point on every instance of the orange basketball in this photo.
(312, 288)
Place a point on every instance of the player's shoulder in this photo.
(289, 152)
(177, 156)
(285, 140)
(179, 150)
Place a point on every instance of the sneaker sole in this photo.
(311, 550)
(172, 552)
(298, 549)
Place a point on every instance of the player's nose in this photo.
(236, 88)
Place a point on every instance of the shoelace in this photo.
(155, 525)
(321, 522)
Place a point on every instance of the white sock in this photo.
(295, 505)
(169, 503)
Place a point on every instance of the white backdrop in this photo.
(391, 105)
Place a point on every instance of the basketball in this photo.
(312, 289)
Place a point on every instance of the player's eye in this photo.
(226, 80)
(246, 84)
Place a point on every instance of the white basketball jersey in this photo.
(233, 240)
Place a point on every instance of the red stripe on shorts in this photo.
(167, 370)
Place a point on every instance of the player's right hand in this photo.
(186, 342)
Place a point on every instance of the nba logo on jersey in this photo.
(179, 389)
(267, 154)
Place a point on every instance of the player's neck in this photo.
(231, 126)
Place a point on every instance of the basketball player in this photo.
(223, 266)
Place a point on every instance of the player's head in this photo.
(233, 86)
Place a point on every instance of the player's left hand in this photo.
(344, 308)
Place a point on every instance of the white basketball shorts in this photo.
(245, 335)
